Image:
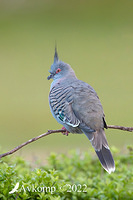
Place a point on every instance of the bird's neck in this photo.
(66, 79)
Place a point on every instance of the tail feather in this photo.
(100, 144)
(106, 159)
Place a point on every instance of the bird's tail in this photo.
(100, 144)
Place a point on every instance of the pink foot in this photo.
(66, 132)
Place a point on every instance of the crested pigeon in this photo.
(76, 106)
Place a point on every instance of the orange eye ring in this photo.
(58, 70)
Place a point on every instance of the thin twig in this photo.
(56, 131)
(121, 128)
(29, 141)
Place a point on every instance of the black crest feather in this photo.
(56, 55)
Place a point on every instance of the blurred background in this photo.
(94, 37)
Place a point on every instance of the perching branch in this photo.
(123, 128)
(57, 131)
(29, 141)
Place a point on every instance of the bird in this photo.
(76, 106)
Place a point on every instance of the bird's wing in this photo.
(88, 109)
(87, 106)
(61, 99)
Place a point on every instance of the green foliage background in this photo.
(76, 176)
(95, 37)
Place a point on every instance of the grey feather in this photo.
(61, 103)
(56, 56)
(106, 159)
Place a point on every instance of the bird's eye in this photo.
(58, 70)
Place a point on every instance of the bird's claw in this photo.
(66, 132)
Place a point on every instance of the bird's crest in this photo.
(56, 55)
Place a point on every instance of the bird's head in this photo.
(59, 69)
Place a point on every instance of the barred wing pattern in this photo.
(60, 100)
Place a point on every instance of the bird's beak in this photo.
(50, 76)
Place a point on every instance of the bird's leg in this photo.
(66, 132)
